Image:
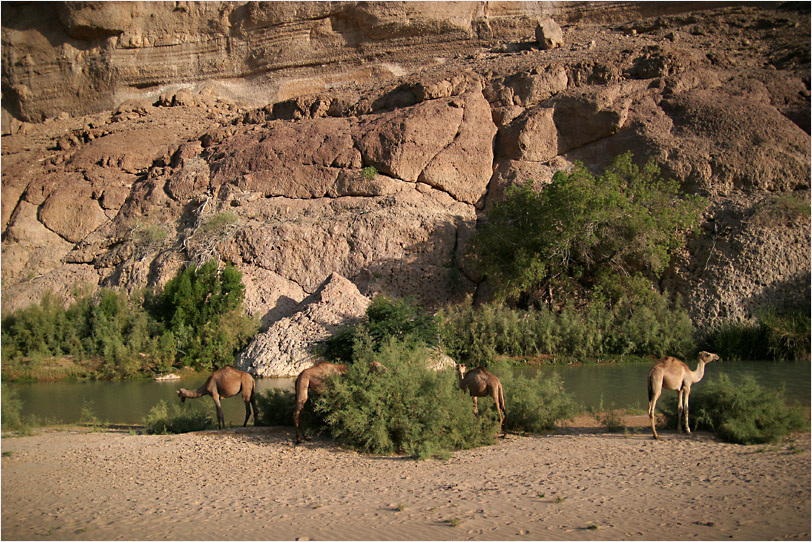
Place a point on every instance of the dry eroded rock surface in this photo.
(112, 176)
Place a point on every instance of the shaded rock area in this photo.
(286, 348)
(368, 139)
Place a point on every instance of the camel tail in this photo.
(650, 390)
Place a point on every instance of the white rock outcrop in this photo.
(286, 348)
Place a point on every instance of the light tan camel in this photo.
(480, 383)
(673, 374)
(226, 382)
(314, 379)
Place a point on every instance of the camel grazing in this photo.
(314, 379)
(226, 382)
(480, 383)
(673, 374)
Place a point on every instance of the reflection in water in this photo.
(618, 386)
(127, 402)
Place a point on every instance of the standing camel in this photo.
(226, 382)
(314, 379)
(480, 383)
(673, 374)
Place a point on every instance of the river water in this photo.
(593, 386)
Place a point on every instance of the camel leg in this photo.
(685, 409)
(495, 396)
(248, 414)
(254, 405)
(476, 407)
(220, 421)
(680, 409)
(300, 433)
(652, 405)
(248, 399)
(301, 399)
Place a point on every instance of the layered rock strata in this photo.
(384, 180)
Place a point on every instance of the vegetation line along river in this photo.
(593, 386)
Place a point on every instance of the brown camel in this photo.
(673, 374)
(480, 383)
(314, 379)
(226, 382)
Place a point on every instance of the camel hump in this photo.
(669, 361)
(228, 369)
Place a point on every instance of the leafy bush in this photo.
(408, 409)
(386, 318)
(369, 173)
(776, 336)
(738, 341)
(163, 419)
(788, 335)
(582, 232)
(586, 252)
(533, 404)
(742, 413)
(476, 336)
(198, 316)
(276, 408)
(106, 325)
(10, 409)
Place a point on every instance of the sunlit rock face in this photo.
(302, 141)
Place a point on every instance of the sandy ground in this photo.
(245, 484)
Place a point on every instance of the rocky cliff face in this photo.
(143, 136)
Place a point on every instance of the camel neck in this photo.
(699, 372)
(194, 394)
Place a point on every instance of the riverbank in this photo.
(246, 484)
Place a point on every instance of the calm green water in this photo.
(624, 386)
(126, 402)
(618, 386)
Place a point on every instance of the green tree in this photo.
(584, 234)
(202, 311)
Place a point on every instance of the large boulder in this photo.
(401, 143)
(463, 168)
(286, 348)
(549, 34)
(71, 212)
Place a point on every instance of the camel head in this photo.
(182, 395)
(461, 369)
(707, 357)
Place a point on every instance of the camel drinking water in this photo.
(481, 383)
(673, 374)
(226, 382)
